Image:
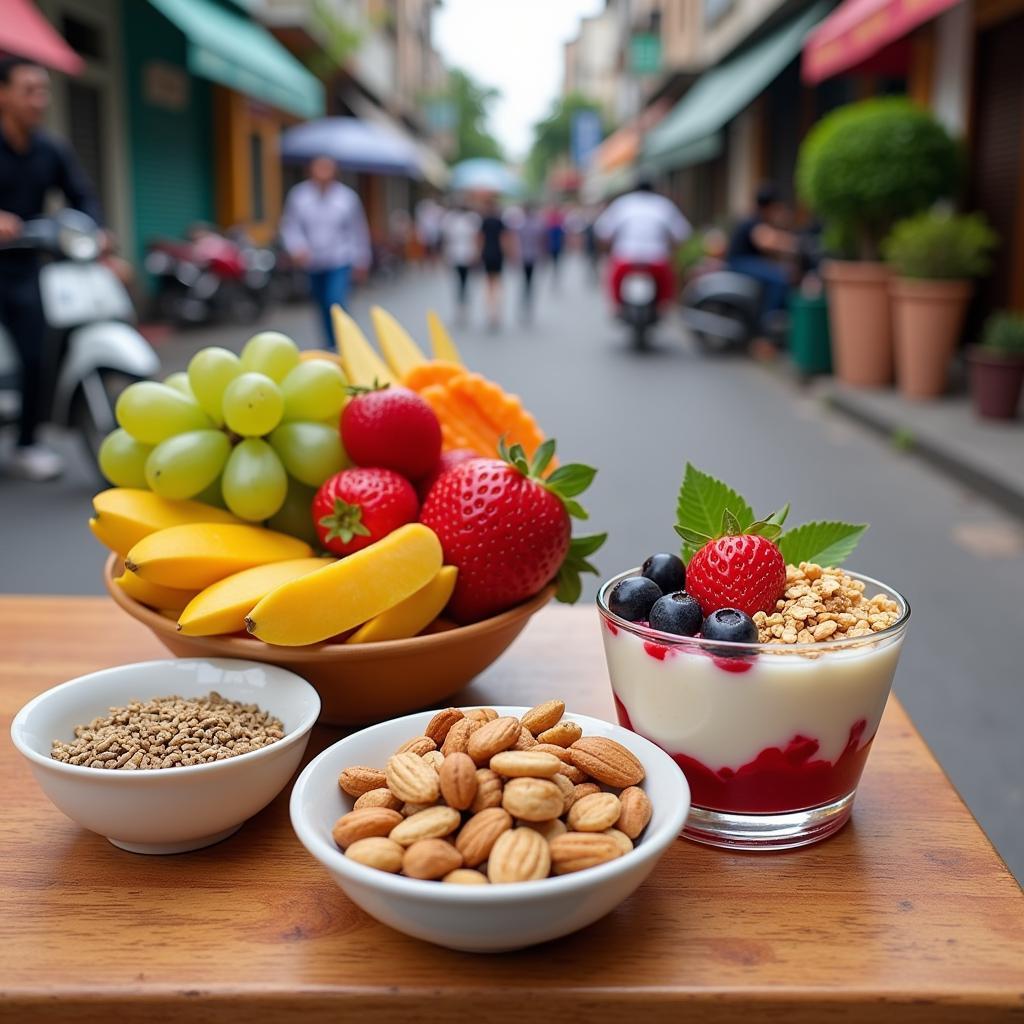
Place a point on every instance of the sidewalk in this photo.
(987, 456)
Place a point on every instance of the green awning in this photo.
(232, 50)
(690, 132)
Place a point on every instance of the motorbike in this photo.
(636, 301)
(90, 320)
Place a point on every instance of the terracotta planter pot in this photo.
(928, 317)
(996, 382)
(860, 322)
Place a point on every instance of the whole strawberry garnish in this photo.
(508, 530)
(448, 460)
(743, 571)
(357, 507)
(391, 427)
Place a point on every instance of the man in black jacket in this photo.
(32, 163)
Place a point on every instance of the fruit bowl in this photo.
(359, 683)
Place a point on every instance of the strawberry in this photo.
(744, 571)
(391, 427)
(356, 507)
(508, 530)
(448, 460)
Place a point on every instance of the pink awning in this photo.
(24, 32)
(858, 29)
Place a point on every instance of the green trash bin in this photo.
(810, 345)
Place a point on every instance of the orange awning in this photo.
(24, 32)
(618, 150)
(858, 29)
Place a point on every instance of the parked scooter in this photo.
(636, 301)
(90, 318)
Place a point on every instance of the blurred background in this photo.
(879, 386)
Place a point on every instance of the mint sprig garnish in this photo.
(708, 509)
(570, 585)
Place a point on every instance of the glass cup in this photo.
(771, 737)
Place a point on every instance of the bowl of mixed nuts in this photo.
(490, 829)
(168, 756)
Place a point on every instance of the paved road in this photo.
(960, 561)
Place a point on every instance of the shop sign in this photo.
(165, 85)
(645, 53)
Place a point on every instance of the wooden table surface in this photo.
(907, 915)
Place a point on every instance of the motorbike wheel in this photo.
(92, 409)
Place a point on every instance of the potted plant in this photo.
(934, 256)
(861, 169)
(997, 367)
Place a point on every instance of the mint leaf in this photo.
(827, 543)
(702, 502)
(569, 585)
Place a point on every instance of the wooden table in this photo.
(907, 915)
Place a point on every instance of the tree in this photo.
(471, 103)
(552, 137)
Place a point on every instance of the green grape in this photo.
(186, 464)
(295, 516)
(314, 390)
(209, 372)
(211, 495)
(152, 412)
(179, 381)
(255, 483)
(270, 352)
(252, 405)
(311, 452)
(123, 459)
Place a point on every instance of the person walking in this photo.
(429, 215)
(555, 226)
(492, 257)
(460, 228)
(530, 234)
(324, 229)
(32, 163)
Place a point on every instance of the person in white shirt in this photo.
(324, 230)
(460, 230)
(642, 228)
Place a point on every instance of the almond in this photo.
(525, 741)
(575, 851)
(543, 716)
(433, 823)
(408, 810)
(548, 829)
(376, 852)
(564, 734)
(370, 821)
(607, 761)
(562, 753)
(458, 781)
(437, 728)
(465, 876)
(457, 739)
(359, 780)
(434, 758)
(488, 790)
(411, 779)
(625, 843)
(532, 799)
(378, 798)
(574, 774)
(636, 811)
(568, 791)
(583, 789)
(525, 764)
(480, 833)
(594, 813)
(417, 745)
(430, 858)
(482, 715)
(492, 738)
(520, 855)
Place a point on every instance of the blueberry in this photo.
(730, 624)
(633, 597)
(667, 571)
(677, 613)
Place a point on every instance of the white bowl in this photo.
(485, 918)
(168, 810)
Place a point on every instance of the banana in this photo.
(413, 614)
(222, 606)
(194, 555)
(339, 597)
(400, 351)
(125, 515)
(441, 341)
(154, 595)
(360, 362)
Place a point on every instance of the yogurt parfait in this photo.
(761, 669)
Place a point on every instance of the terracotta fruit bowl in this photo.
(364, 683)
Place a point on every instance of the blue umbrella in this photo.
(355, 145)
(483, 175)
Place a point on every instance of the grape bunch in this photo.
(257, 433)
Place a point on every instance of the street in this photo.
(639, 418)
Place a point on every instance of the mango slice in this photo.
(441, 341)
(341, 596)
(223, 606)
(409, 617)
(152, 594)
(194, 555)
(400, 351)
(360, 362)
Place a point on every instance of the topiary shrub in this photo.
(867, 165)
(941, 247)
